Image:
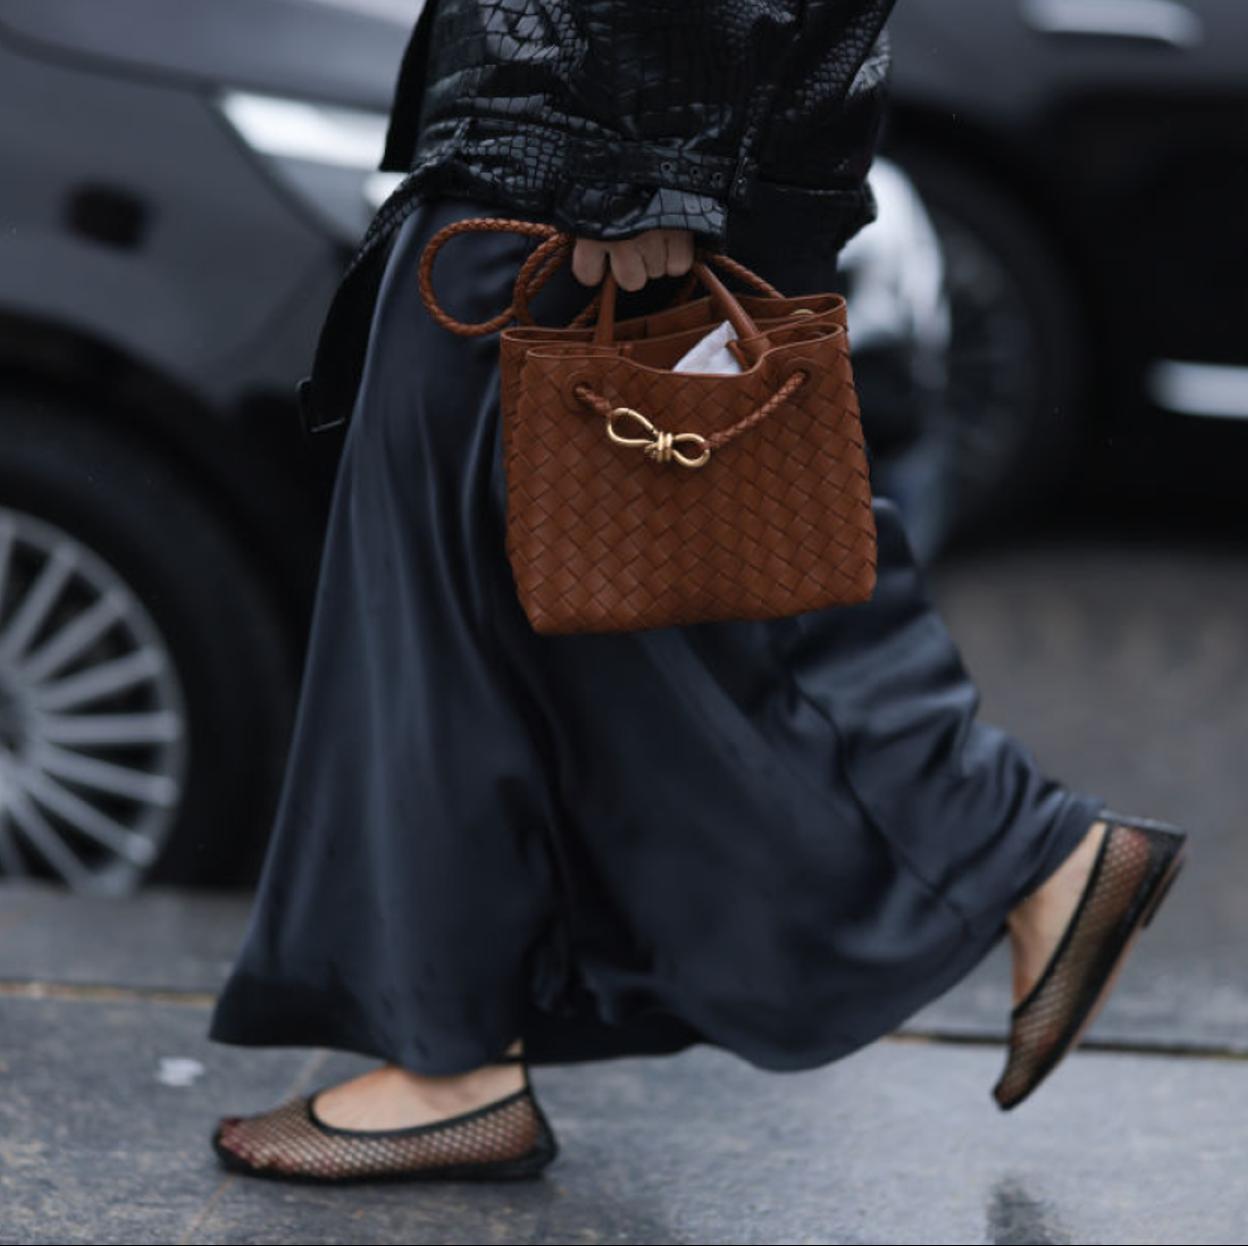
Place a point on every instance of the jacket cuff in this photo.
(610, 209)
(617, 188)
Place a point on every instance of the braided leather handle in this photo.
(539, 266)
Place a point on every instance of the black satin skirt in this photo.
(781, 838)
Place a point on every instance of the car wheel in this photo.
(145, 686)
(1016, 368)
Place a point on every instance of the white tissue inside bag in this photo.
(709, 354)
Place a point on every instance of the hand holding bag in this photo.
(640, 496)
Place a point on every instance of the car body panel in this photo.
(157, 284)
(309, 50)
(1131, 153)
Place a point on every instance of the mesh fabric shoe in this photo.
(507, 1138)
(1136, 862)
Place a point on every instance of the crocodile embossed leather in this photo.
(609, 117)
(639, 496)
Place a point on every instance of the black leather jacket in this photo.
(610, 117)
(621, 115)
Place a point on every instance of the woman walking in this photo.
(496, 848)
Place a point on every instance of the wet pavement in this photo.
(1124, 666)
(1122, 661)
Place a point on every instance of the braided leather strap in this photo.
(538, 268)
(662, 446)
(534, 273)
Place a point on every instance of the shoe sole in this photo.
(1149, 905)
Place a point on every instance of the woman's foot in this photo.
(392, 1124)
(392, 1097)
(1072, 935)
(1037, 923)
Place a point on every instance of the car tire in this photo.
(1017, 366)
(116, 520)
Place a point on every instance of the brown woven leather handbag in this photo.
(639, 496)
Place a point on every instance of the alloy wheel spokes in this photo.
(93, 720)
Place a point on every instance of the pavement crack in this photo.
(1138, 1047)
(103, 992)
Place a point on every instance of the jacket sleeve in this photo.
(684, 96)
(633, 114)
(404, 121)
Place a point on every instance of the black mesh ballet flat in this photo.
(507, 1138)
(1136, 862)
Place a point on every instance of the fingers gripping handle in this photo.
(540, 265)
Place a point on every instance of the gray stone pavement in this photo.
(1125, 669)
(1122, 661)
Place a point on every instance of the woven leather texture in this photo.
(602, 537)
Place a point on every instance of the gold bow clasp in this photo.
(659, 445)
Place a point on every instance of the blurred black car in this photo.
(182, 185)
(1086, 165)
